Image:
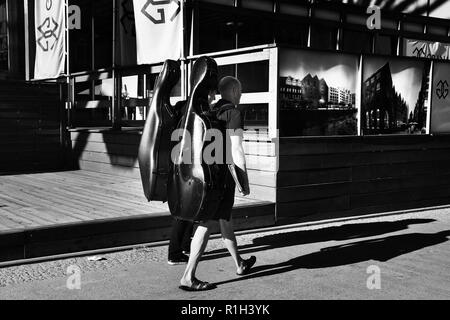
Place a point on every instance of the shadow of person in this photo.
(120, 147)
(78, 147)
(338, 233)
(382, 250)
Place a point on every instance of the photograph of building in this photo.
(319, 102)
(398, 106)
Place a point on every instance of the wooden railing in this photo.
(98, 98)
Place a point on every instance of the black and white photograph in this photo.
(224, 159)
(395, 96)
(318, 93)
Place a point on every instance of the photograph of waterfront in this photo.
(318, 93)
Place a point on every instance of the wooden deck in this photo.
(32, 201)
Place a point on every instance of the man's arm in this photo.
(238, 154)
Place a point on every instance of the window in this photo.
(254, 31)
(80, 40)
(437, 30)
(4, 54)
(323, 37)
(256, 116)
(103, 17)
(356, 41)
(293, 8)
(91, 47)
(217, 31)
(222, 2)
(386, 120)
(221, 30)
(254, 76)
(263, 5)
(367, 120)
(292, 33)
(385, 44)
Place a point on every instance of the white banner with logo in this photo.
(159, 30)
(50, 22)
(440, 107)
(427, 49)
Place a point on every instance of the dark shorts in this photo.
(227, 203)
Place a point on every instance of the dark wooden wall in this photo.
(16, 33)
(337, 176)
(29, 127)
(115, 152)
(359, 175)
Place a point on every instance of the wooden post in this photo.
(430, 97)
(70, 101)
(67, 41)
(27, 41)
(274, 94)
(68, 105)
(359, 95)
(116, 115)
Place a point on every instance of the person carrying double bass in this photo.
(230, 119)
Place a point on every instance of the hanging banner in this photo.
(159, 30)
(440, 108)
(427, 49)
(127, 34)
(50, 22)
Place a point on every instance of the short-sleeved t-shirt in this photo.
(231, 115)
(231, 118)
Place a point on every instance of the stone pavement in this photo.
(406, 255)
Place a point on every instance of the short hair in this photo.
(227, 84)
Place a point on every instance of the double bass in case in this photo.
(155, 147)
(195, 189)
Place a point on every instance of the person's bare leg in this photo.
(198, 246)
(229, 238)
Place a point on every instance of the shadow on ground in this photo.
(338, 233)
(383, 249)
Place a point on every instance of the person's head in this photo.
(231, 89)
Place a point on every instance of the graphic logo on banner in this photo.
(158, 15)
(159, 30)
(419, 52)
(49, 31)
(440, 100)
(50, 19)
(427, 49)
(442, 89)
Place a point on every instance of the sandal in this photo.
(198, 285)
(246, 266)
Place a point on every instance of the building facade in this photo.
(351, 161)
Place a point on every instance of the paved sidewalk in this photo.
(330, 261)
